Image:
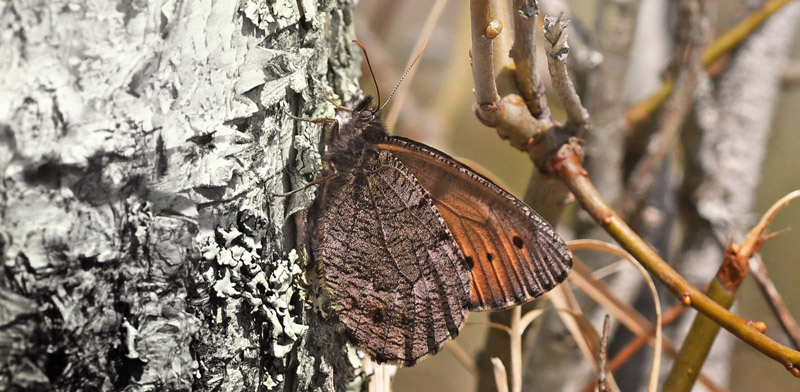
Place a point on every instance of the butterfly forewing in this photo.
(390, 264)
(513, 253)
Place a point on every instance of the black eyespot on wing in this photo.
(377, 316)
(470, 261)
(489, 256)
(518, 242)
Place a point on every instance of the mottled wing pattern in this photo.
(392, 268)
(514, 254)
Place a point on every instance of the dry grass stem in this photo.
(601, 373)
(427, 29)
(575, 177)
(579, 327)
(617, 251)
(788, 324)
(462, 357)
(500, 377)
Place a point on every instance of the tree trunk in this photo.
(142, 148)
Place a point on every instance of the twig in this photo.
(524, 54)
(482, 65)
(584, 334)
(697, 344)
(641, 178)
(500, 377)
(557, 51)
(425, 33)
(583, 56)
(788, 324)
(722, 45)
(629, 317)
(615, 250)
(509, 115)
(601, 373)
(462, 357)
(516, 349)
(568, 165)
(634, 345)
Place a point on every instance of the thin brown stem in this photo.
(462, 357)
(569, 167)
(775, 300)
(601, 373)
(425, 33)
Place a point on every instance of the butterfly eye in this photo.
(366, 114)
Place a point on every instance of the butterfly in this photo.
(407, 240)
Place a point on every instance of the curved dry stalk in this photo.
(424, 35)
(500, 376)
(755, 238)
(770, 292)
(617, 251)
(462, 357)
(490, 324)
(569, 167)
(528, 318)
(582, 331)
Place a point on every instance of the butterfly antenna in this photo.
(364, 50)
(424, 43)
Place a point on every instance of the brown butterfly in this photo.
(407, 240)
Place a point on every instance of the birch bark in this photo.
(141, 147)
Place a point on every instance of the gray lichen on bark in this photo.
(141, 148)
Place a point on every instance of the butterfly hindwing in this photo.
(390, 264)
(513, 253)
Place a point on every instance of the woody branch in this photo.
(557, 152)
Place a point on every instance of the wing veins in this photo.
(508, 264)
(383, 228)
(384, 335)
(430, 271)
(349, 245)
(452, 263)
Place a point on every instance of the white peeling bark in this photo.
(141, 144)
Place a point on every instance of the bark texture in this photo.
(725, 169)
(141, 147)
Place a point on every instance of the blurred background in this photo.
(437, 108)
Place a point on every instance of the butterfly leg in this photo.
(318, 181)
